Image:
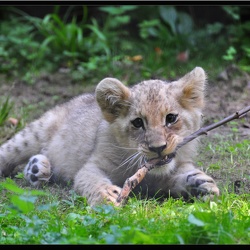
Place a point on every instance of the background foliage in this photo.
(149, 40)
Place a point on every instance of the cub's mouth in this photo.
(164, 160)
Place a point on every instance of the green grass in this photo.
(228, 160)
(39, 217)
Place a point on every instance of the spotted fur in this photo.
(98, 140)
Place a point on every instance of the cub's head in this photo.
(154, 116)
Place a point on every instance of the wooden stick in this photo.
(135, 179)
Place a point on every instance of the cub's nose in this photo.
(158, 150)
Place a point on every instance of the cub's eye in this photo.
(171, 118)
(138, 123)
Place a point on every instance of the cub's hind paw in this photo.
(38, 170)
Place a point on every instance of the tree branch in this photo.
(204, 130)
(135, 179)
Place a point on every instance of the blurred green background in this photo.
(146, 41)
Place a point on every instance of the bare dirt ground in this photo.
(226, 95)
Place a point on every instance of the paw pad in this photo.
(38, 170)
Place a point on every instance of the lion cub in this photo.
(99, 140)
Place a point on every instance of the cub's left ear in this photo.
(192, 87)
(112, 97)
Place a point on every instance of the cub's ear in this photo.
(112, 97)
(192, 87)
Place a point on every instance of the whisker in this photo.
(129, 162)
(138, 160)
(142, 158)
(126, 158)
(130, 159)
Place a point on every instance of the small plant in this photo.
(67, 41)
(238, 33)
(19, 51)
(172, 26)
(230, 54)
(114, 19)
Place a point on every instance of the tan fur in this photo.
(95, 142)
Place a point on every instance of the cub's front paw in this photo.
(107, 194)
(38, 170)
(199, 184)
(111, 193)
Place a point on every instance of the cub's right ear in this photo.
(112, 97)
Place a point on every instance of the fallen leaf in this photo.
(136, 58)
(158, 51)
(182, 56)
(13, 121)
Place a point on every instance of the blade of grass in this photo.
(5, 110)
